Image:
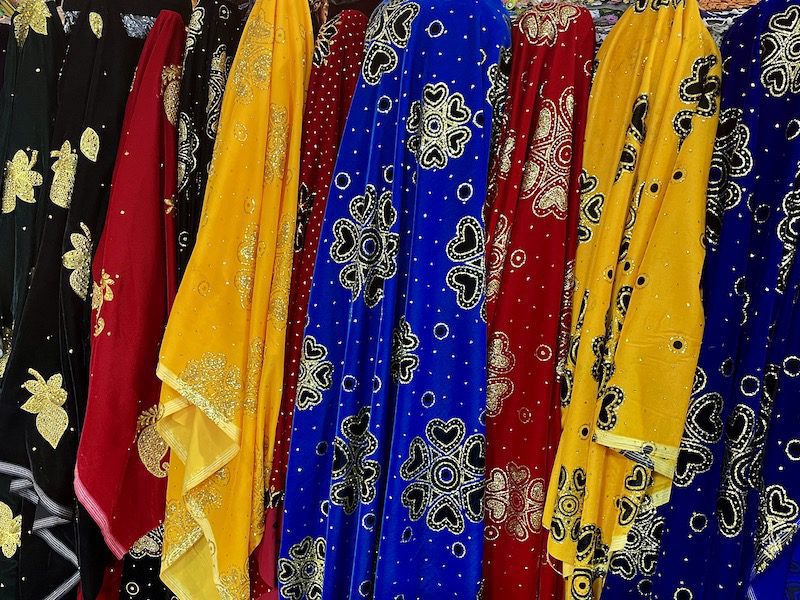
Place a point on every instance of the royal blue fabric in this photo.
(385, 478)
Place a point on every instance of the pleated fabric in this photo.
(532, 216)
(212, 38)
(120, 475)
(385, 478)
(336, 64)
(45, 385)
(637, 313)
(730, 513)
(221, 358)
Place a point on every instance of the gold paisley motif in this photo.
(170, 90)
(63, 174)
(96, 23)
(90, 144)
(46, 402)
(101, 293)
(151, 446)
(10, 531)
(30, 14)
(20, 180)
(79, 261)
(275, 158)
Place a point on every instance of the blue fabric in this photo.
(385, 477)
(701, 544)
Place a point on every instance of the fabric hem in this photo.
(99, 516)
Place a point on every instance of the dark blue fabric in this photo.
(385, 478)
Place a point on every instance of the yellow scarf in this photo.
(222, 355)
(638, 319)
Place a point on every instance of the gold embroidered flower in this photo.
(79, 261)
(46, 402)
(63, 174)
(10, 531)
(20, 180)
(151, 446)
(31, 14)
(101, 293)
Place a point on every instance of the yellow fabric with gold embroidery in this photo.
(638, 319)
(222, 355)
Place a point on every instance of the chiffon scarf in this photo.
(385, 478)
(221, 358)
(637, 313)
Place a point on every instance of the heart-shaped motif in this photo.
(418, 459)
(638, 479)
(415, 498)
(444, 513)
(445, 436)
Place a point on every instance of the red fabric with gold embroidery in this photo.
(120, 475)
(531, 220)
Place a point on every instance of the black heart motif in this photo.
(418, 459)
(400, 21)
(472, 497)
(457, 140)
(741, 426)
(345, 496)
(704, 418)
(692, 459)
(475, 454)
(341, 457)
(780, 504)
(357, 425)
(729, 513)
(445, 435)
(579, 479)
(468, 284)
(434, 94)
(468, 242)
(626, 510)
(380, 59)
(637, 481)
(557, 529)
(415, 498)
(622, 565)
(345, 242)
(323, 375)
(457, 110)
(624, 299)
(586, 541)
(363, 205)
(312, 349)
(592, 208)
(786, 20)
(638, 117)
(445, 515)
(649, 562)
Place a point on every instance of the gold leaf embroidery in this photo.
(247, 258)
(96, 23)
(275, 157)
(213, 386)
(501, 361)
(181, 532)
(279, 302)
(207, 495)
(151, 446)
(101, 293)
(30, 14)
(20, 180)
(234, 585)
(170, 91)
(79, 261)
(253, 65)
(64, 174)
(46, 402)
(255, 360)
(151, 544)
(10, 531)
(90, 144)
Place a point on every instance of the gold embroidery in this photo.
(79, 261)
(247, 258)
(152, 448)
(90, 144)
(5, 347)
(253, 65)
(170, 91)
(10, 531)
(213, 386)
(282, 278)
(234, 585)
(169, 206)
(181, 532)
(151, 544)
(46, 402)
(20, 180)
(497, 257)
(64, 174)
(240, 132)
(101, 292)
(207, 495)
(96, 23)
(30, 14)
(515, 501)
(255, 360)
(501, 361)
(275, 158)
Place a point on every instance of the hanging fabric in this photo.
(335, 67)
(637, 315)
(221, 359)
(391, 388)
(532, 214)
(212, 38)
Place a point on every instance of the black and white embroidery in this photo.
(736, 480)
(703, 428)
(591, 205)
(404, 361)
(497, 94)
(780, 68)
(322, 48)
(612, 400)
(642, 544)
(188, 143)
(301, 575)
(777, 525)
(389, 28)
(316, 374)
(700, 89)
(438, 126)
(366, 245)
(566, 519)
(446, 476)
(217, 76)
(467, 278)
(305, 203)
(354, 474)
(789, 233)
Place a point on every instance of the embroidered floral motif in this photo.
(542, 23)
(322, 49)
(700, 89)
(514, 501)
(195, 27)
(591, 206)
(101, 293)
(277, 139)
(500, 362)
(21, 178)
(282, 276)
(213, 386)
(10, 531)
(253, 67)
(30, 15)
(305, 203)
(468, 277)
(46, 402)
(445, 475)
(366, 245)
(150, 545)
(63, 168)
(404, 361)
(301, 575)
(703, 427)
(217, 76)
(255, 362)
(497, 94)
(79, 261)
(780, 69)
(498, 248)
(150, 445)
(247, 260)
(234, 585)
(354, 474)
(316, 374)
(438, 126)
(568, 505)
(388, 28)
(642, 544)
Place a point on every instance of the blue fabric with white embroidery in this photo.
(386, 468)
(701, 545)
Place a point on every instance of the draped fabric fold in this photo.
(637, 316)
(221, 358)
(336, 64)
(123, 485)
(384, 483)
(532, 216)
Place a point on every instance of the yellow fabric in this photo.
(642, 219)
(222, 355)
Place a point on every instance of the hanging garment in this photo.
(637, 316)
(140, 574)
(532, 216)
(212, 38)
(43, 395)
(385, 480)
(335, 67)
(222, 354)
(714, 513)
(120, 474)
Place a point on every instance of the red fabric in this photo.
(337, 63)
(531, 220)
(128, 316)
